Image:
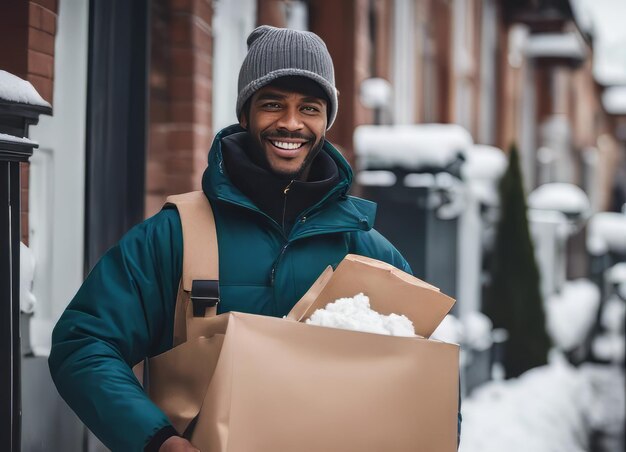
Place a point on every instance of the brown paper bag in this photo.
(262, 384)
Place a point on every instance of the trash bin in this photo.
(413, 173)
(409, 214)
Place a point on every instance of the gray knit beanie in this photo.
(279, 52)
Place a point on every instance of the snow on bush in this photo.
(544, 410)
(355, 314)
(571, 314)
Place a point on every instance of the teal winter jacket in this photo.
(124, 311)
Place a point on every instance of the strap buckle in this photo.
(205, 293)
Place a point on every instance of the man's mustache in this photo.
(277, 134)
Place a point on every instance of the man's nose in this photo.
(290, 120)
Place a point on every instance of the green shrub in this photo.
(513, 299)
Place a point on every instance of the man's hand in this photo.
(177, 444)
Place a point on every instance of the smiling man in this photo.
(287, 120)
(278, 191)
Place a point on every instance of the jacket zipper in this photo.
(280, 255)
(285, 192)
(284, 247)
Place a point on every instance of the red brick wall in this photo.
(344, 26)
(442, 30)
(180, 98)
(27, 33)
(42, 28)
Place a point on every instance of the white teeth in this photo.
(288, 146)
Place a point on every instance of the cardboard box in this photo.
(262, 384)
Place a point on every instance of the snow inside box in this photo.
(355, 314)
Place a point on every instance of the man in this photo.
(278, 193)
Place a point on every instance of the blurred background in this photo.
(492, 134)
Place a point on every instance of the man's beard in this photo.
(260, 157)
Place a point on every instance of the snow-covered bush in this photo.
(571, 314)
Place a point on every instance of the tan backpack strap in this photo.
(198, 292)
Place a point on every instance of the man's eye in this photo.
(310, 109)
(271, 105)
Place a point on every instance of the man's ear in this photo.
(245, 113)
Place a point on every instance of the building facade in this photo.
(140, 87)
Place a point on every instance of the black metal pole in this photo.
(16, 352)
(10, 428)
(6, 347)
(15, 118)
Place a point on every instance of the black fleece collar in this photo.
(266, 190)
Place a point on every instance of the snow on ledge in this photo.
(14, 139)
(484, 162)
(556, 45)
(410, 146)
(14, 89)
(562, 197)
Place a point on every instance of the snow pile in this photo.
(483, 168)
(544, 410)
(477, 329)
(562, 197)
(14, 139)
(27, 274)
(376, 92)
(606, 232)
(571, 313)
(610, 344)
(607, 409)
(14, 89)
(609, 347)
(376, 178)
(614, 100)
(484, 162)
(616, 274)
(449, 330)
(473, 331)
(556, 45)
(410, 146)
(613, 314)
(355, 314)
